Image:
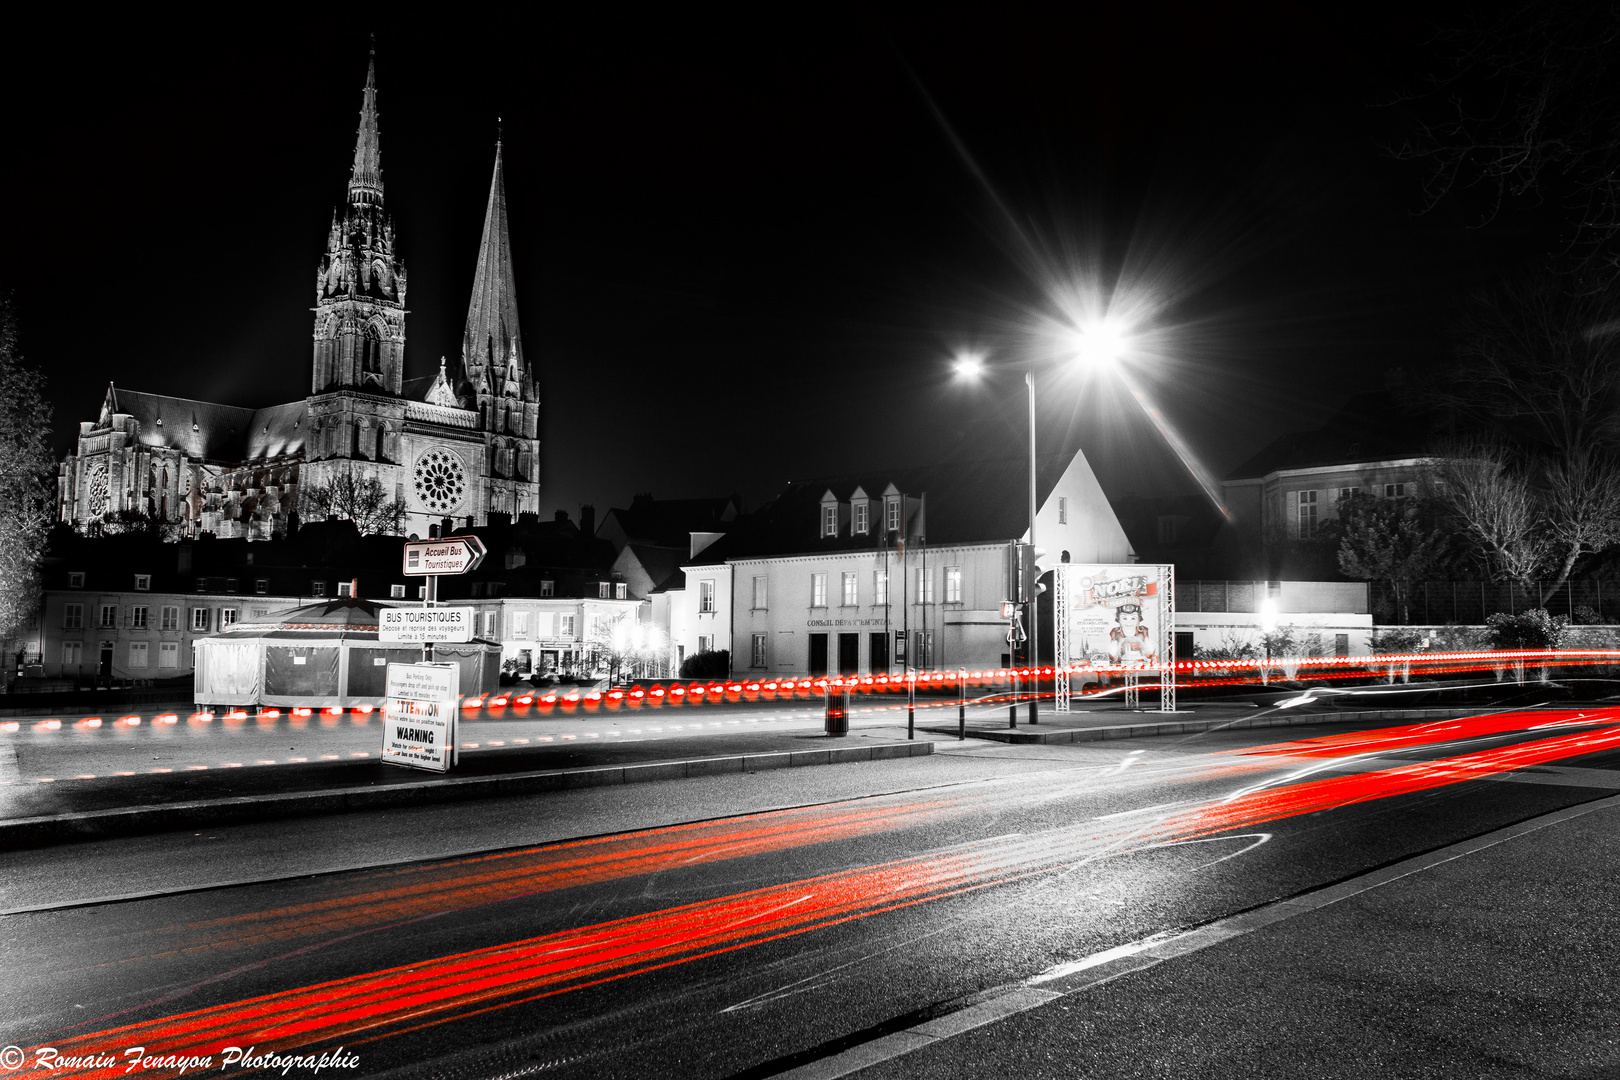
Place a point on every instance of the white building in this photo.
(877, 572)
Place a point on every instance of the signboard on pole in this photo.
(420, 626)
(1118, 617)
(420, 714)
(451, 555)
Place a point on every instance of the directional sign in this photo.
(419, 716)
(424, 625)
(451, 555)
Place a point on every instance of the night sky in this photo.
(747, 244)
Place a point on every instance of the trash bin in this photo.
(837, 710)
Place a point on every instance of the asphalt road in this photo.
(753, 924)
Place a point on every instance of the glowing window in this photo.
(925, 587)
(953, 584)
(880, 587)
(621, 591)
(818, 590)
(851, 590)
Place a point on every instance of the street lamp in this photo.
(1095, 344)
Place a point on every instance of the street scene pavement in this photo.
(1064, 909)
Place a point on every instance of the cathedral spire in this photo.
(365, 179)
(492, 340)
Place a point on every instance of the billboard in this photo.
(1119, 617)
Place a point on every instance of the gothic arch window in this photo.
(372, 365)
(382, 442)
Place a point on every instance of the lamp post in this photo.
(1096, 344)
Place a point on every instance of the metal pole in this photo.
(961, 705)
(911, 706)
(431, 600)
(1012, 698)
(1034, 586)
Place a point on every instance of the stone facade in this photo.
(465, 447)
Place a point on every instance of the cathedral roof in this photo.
(492, 317)
(204, 430)
(276, 431)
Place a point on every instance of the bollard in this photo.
(1035, 697)
(1012, 702)
(911, 706)
(837, 716)
(961, 706)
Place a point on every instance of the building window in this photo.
(143, 582)
(548, 588)
(756, 654)
(621, 591)
(922, 649)
(72, 652)
(953, 584)
(137, 618)
(109, 617)
(76, 580)
(818, 590)
(227, 617)
(925, 588)
(489, 625)
(231, 583)
(891, 514)
(880, 587)
(565, 626)
(520, 624)
(1307, 514)
(396, 592)
(601, 590)
(705, 643)
(137, 654)
(1063, 510)
(199, 618)
(168, 654)
(863, 517)
(1345, 493)
(829, 521)
(759, 594)
(706, 597)
(1394, 491)
(261, 585)
(171, 618)
(346, 589)
(73, 616)
(852, 595)
(317, 588)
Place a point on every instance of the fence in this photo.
(1438, 602)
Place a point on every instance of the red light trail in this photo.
(373, 1005)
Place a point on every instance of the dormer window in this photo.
(829, 520)
(863, 518)
(76, 580)
(143, 582)
(892, 516)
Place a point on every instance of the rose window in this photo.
(440, 481)
(98, 489)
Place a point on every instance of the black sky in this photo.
(745, 246)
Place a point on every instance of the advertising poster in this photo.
(419, 715)
(1119, 616)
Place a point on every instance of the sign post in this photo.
(433, 558)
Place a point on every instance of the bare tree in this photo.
(1498, 509)
(26, 486)
(1524, 104)
(1582, 507)
(363, 501)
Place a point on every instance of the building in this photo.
(1282, 497)
(884, 571)
(462, 445)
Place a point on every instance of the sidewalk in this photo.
(33, 815)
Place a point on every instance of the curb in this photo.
(1193, 727)
(51, 829)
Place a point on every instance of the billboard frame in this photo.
(1163, 576)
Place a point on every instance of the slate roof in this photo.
(277, 430)
(1376, 426)
(964, 502)
(660, 563)
(203, 429)
(670, 522)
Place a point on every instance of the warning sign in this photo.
(419, 715)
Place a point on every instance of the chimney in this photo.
(587, 520)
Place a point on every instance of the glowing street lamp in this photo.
(1096, 344)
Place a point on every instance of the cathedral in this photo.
(461, 445)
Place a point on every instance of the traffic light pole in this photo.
(1034, 586)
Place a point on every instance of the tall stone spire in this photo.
(492, 349)
(365, 179)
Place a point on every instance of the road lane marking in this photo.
(1091, 971)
